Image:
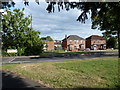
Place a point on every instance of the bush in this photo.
(4, 53)
(21, 51)
(34, 50)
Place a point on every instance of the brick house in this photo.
(96, 42)
(58, 44)
(48, 46)
(73, 43)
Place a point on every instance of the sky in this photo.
(57, 24)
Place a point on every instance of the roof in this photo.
(57, 42)
(47, 41)
(95, 37)
(48, 38)
(73, 37)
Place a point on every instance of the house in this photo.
(48, 46)
(48, 43)
(73, 43)
(96, 42)
(58, 44)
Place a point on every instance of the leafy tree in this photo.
(48, 38)
(10, 3)
(107, 35)
(16, 33)
(34, 43)
(104, 15)
(112, 42)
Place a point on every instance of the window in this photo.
(75, 41)
(70, 41)
(81, 41)
(98, 41)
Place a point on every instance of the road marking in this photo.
(11, 60)
(14, 62)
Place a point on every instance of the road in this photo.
(11, 80)
(36, 59)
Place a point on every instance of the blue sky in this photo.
(57, 24)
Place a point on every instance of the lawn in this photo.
(91, 73)
(92, 51)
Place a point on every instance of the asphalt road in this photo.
(36, 59)
(11, 80)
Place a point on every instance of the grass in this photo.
(92, 51)
(91, 73)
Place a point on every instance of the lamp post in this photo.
(30, 34)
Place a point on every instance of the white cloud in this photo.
(57, 24)
(41, 0)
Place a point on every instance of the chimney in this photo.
(65, 36)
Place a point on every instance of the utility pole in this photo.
(0, 37)
(30, 32)
(31, 21)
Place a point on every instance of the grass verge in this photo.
(91, 73)
(81, 52)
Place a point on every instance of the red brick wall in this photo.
(88, 44)
(99, 43)
(64, 45)
(74, 43)
(50, 45)
(84, 43)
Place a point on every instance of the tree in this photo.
(104, 15)
(11, 3)
(112, 42)
(48, 38)
(16, 33)
(34, 43)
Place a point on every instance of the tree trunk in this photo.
(119, 43)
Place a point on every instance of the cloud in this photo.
(57, 24)
(41, 0)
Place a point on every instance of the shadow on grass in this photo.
(10, 81)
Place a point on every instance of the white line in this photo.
(12, 60)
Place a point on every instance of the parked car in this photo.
(87, 49)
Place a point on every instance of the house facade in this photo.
(57, 44)
(96, 42)
(48, 46)
(73, 43)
